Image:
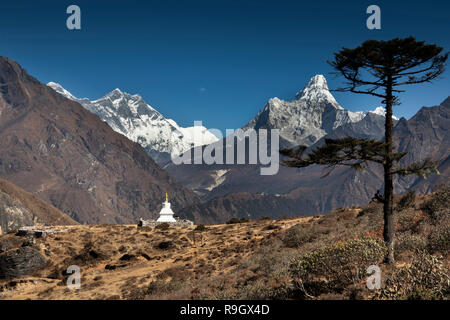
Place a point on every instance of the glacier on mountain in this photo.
(382, 112)
(302, 121)
(311, 115)
(131, 116)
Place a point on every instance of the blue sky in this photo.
(215, 61)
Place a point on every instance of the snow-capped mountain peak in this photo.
(312, 114)
(131, 116)
(59, 88)
(318, 83)
(382, 112)
(316, 91)
(114, 95)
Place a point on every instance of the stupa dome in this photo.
(166, 213)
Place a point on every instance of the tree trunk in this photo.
(389, 226)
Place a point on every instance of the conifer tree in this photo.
(377, 68)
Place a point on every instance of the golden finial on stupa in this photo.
(167, 199)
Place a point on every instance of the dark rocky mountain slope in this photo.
(19, 208)
(427, 134)
(57, 150)
(296, 192)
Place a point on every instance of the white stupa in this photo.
(166, 213)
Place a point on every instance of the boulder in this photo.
(21, 261)
(164, 245)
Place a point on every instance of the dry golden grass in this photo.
(251, 260)
(118, 260)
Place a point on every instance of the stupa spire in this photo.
(166, 213)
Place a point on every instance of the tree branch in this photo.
(423, 169)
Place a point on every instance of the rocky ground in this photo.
(116, 260)
(321, 257)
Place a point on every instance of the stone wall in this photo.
(154, 223)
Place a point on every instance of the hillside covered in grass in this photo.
(320, 257)
(19, 208)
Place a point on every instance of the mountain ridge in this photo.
(63, 154)
(313, 114)
(19, 208)
(304, 120)
(304, 191)
(131, 116)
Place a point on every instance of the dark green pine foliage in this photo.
(381, 69)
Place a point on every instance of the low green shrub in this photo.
(262, 290)
(297, 236)
(200, 227)
(411, 243)
(439, 239)
(439, 204)
(162, 286)
(165, 245)
(426, 278)
(408, 220)
(272, 227)
(370, 210)
(237, 220)
(407, 201)
(332, 268)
